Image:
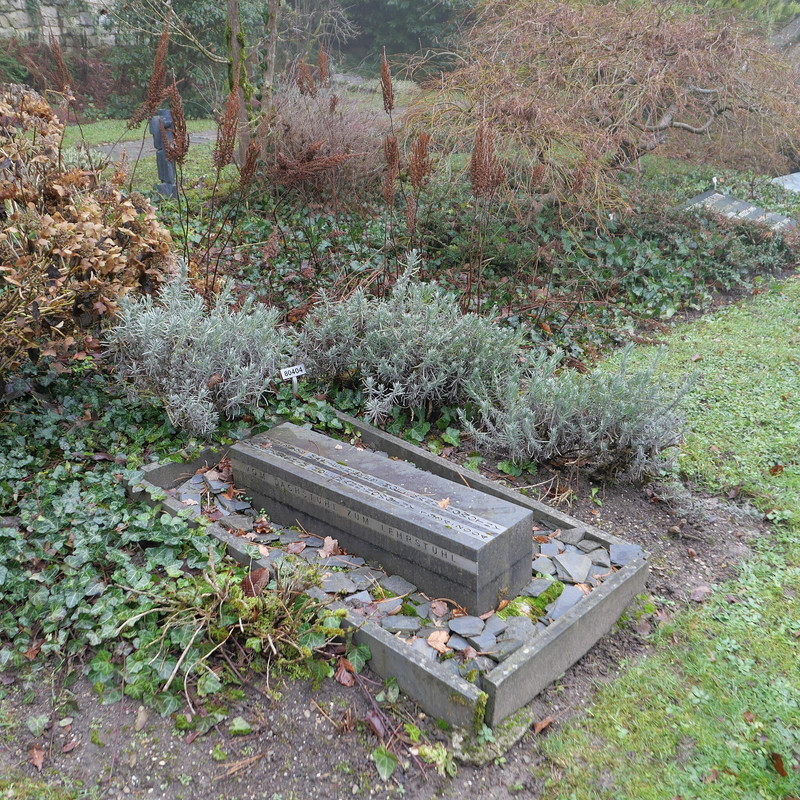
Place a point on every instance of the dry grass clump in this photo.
(70, 246)
(337, 133)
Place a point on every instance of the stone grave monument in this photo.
(166, 169)
(450, 540)
(732, 208)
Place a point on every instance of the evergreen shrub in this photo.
(616, 420)
(413, 349)
(198, 363)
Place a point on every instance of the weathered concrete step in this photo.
(449, 540)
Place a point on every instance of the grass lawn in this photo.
(108, 131)
(715, 711)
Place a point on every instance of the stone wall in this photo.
(75, 23)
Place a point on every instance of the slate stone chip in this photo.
(518, 628)
(456, 642)
(390, 606)
(289, 537)
(483, 642)
(401, 624)
(566, 600)
(536, 587)
(234, 506)
(600, 557)
(622, 554)
(504, 648)
(338, 561)
(312, 541)
(573, 567)
(396, 585)
(550, 548)
(423, 610)
(466, 626)
(495, 625)
(365, 577)
(239, 522)
(215, 486)
(427, 652)
(359, 599)
(571, 535)
(544, 566)
(337, 583)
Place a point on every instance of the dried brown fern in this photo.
(485, 172)
(310, 165)
(177, 149)
(155, 89)
(226, 131)
(305, 79)
(323, 68)
(65, 82)
(420, 165)
(249, 168)
(386, 84)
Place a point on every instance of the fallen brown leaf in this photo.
(712, 776)
(254, 583)
(777, 762)
(344, 672)
(700, 593)
(37, 757)
(444, 503)
(438, 608)
(330, 547)
(141, 718)
(33, 649)
(374, 721)
(502, 604)
(539, 726)
(295, 548)
(470, 652)
(69, 746)
(749, 717)
(438, 641)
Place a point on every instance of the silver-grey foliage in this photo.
(413, 349)
(198, 363)
(615, 420)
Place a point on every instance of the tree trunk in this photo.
(237, 61)
(272, 47)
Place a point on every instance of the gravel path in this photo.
(136, 149)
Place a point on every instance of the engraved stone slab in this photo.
(738, 209)
(449, 540)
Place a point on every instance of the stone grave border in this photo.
(441, 693)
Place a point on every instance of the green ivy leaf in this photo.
(358, 656)
(509, 468)
(208, 684)
(36, 725)
(385, 762)
(239, 726)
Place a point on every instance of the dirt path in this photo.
(297, 752)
